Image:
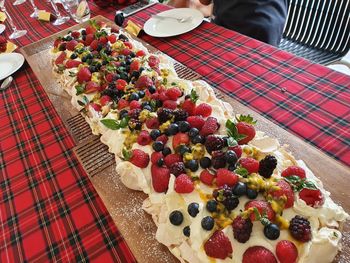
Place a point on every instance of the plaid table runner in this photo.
(49, 211)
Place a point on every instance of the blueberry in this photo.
(187, 97)
(193, 209)
(173, 129)
(186, 231)
(99, 47)
(182, 149)
(205, 162)
(152, 89)
(155, 134)
(240, 189)
(192, 165)
(225, 138)
(160, 162)
(232, 167)
(272, 231)
(92, 69)
(158, 146)
(184, 126)
(83, 32)
(147, 107)
(123, 114)
(193, 132)
(134, 96)
(166, 151)
(231, 157)
(159, 103)
(141, 69)
(83, 59)
(141, 93)
(207, 223)
(211, 206)
(176, 217)
(89, 56)
(251, 194)
(197, 139)
(73, 56)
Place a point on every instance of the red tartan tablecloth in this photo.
(49, 211)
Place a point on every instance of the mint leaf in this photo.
(242, 171)
(126, 154)
(231, 142)
(81, 103)
(124, 122)
(80, 89)
(114, 124)
(194, 96)
(72, 74)
(309, 185)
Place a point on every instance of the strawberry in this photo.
(94, 44)
(95, 106)
(91, 87)
(72, 63)
(162, 138)
(122, 103)
(225, 176)
(170, 104)
(263, 208)
(312, 197)
(183, 184)
(104, 100)
(75, 34)
(246, 129)
(109, 77)
(90, 30)
(173, 93)
(172, 158)
(203, 109)
(160, 178)
(56, 44)
(210, 126)
(59, 60)
(286, 252)
(128, 45)
(121, 84)
(237, 149)
(284, 190)
(152, 123)
(180, 138)
(144, 138)
(84, 75)
(103, 40)
(126, 52)
(155, 156)
(143, 82)
(112, 38)
(294, 170)
(137, 157)
(206, 177)
(135, 105)
(140, 53)
(89, 38)
(258, 254)
(153, 61)
(218, 245)
(196, 122)
(189, 106)
(72, 44)
(135, 66)
(250, 164)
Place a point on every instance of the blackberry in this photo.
(164, 115)
(218, 159)
(242, 228)
(112, 92)
(267, 165)
(180, 115)
(135, 125)
(214, 143)
(134, 114)
(177, 168)
(300, 228)
(231, 202)
(225, 196)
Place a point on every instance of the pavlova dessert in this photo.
(218, 190)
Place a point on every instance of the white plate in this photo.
(9, 64)
(168, 27)
(2, 28)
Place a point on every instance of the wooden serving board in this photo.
(124, 204)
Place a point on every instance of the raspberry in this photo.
(225, 176)
(112, 38)
(196, 122)
(71, 45)
(162, 138)
(263, 208)
(164, 115)
(242, 228)
(312, 197)
(139, 158)
(144, 138)
(160, 178)
(258, 254)
(152, 123)
(203, 109)
(183, 184)
(218, 245)
(250, 164)
(135, 105)
(94, 44)
(294, 170)
(267, 165)
(284, 190)
(75, 34)
(189, 106)
(177, 168)
(286, 252)
(163, 97)
(172, 158)
(210, 126)
(206, 177)
(300, 229)
(180, 138)
(153, 61)
(245, 129)
(122, 104)
(143, 82)
(135, 66)
(173, 93)
(218, 159)
(214, 143)
(104, 100)
(180, 115)
(84, 75)
(121, 84)
(170, 104)
(155, 156)
(140, 53)
(134, 114)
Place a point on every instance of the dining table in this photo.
(50, 210)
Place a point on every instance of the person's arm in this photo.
(205, 2)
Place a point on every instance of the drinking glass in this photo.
(78, 9)
(18, 2)
(35, 14)
(16, 33)
(60, 19)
